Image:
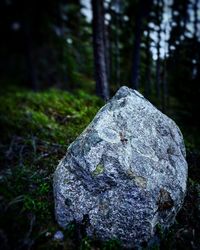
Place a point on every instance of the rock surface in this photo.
(125, 174)
(58, 236)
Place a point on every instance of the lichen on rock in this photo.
(98, 170)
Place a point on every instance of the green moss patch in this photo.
(36, 129)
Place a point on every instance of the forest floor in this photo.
(36, 129)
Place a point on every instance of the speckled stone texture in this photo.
(125, 174)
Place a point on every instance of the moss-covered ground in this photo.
(36, 129)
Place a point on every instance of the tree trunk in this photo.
(107, 51)
(143, 11)
(136, 48)
(31, 69)
(158, 81)
(117, 53)
(102, 89)
(148, 65)
(165, 96)
(195, 9)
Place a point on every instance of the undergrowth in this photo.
(36, 129)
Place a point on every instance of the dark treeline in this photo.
(153, 46)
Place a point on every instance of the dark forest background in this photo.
(55, 58)
(152, 45)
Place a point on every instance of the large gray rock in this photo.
(126, 173)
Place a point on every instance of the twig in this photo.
(27, 241)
